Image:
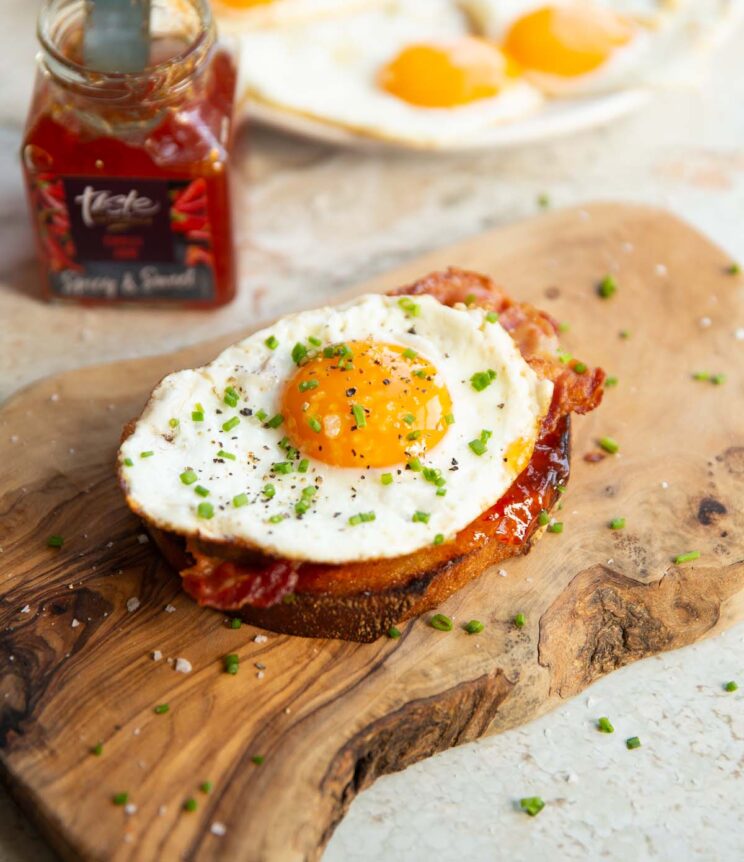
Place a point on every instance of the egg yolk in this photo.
(366, 404)
(564, 41)
(446, 75)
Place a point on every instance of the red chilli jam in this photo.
(127, 172)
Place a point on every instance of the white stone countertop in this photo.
(314, 220)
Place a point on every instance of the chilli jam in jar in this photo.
(127, 172)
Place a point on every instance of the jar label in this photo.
(114, 238)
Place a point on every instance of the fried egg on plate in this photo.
(410, 71)
(359, 432)
(580, 47)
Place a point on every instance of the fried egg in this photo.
(237, 15)
(581, 47)
(409, 71)
(364, 431)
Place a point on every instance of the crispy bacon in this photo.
(229, 586)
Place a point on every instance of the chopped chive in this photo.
(205, 510)
(492, 317)
(386, 478)
(520, 620)
(432, 474)
(564, 327)
(474, 627)
(409, 418)
(235, 622)
(314, 423)
(240, 500)
(190, 804)
(174, 423)
(441, 492)
(441, 622)
(478, 446)
(197, 415)
(329, 352)
(231, 397)
(231, 663)
(605, 725)
(420, 373)
(438, 539)
(201, 491)
(718, 379)
(409, 306)
(262, 415)
(269, 491)
(543, 518)
(147, 454)
(415, 465)
(561, 489)
(310, 491)
(359, 415)
(731, 686)
(393, 633)
(120, 798)
(610, 382)
(531, 805)
(609, 445)
(308, 384)
(470, 299)
(413, 435)
(97, 749)
(449, 419)
(230, 424)
(283, 467)
(275, 421)
(301, 507)
(580, 367)
(271, 342)
(161, 709)
(188, 477)
(302, 467)
(543, 201)
(701, 375)
(55, 542)
(128, 462)
(420, 517)
(316, 342)
(733, 268)
(481, 379)
(206, 786)
(607, 287)
(563, 356)
(687, 558)
(228, 455)
(258, 759)
(555, 527)
(617, 524)
(361, 518)
(408, 353)
(632, 743)
(299, 352)
(276, 519)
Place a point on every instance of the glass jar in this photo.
(127, 173)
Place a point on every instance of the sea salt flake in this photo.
(183, 665)
(218, 828)
(170, 609)
(130, 808)
(260, 639)
(75, 623)
(705, 322)
(25, 609)
(739, 333)
(133, 604)
(142, 539)
(260, 675)
(661, 270)
(503, 573)
(157, 655)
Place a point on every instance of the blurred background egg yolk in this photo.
(446, 75)
(565, 41)
(376, 406)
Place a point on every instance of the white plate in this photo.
(553, 120)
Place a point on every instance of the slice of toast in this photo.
(361, 601)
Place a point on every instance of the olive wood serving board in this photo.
(328, 716)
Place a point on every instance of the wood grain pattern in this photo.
(329, 716)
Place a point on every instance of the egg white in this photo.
(459, 342)
(284, 13)
(328, 70)
(667, 48)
